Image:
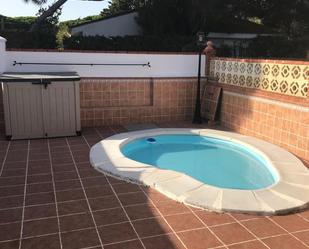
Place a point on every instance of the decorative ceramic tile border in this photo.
(289, 79)
(289, 193)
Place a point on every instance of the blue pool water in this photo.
(212, 161)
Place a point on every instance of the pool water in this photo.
(212, 161)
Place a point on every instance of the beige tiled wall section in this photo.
(288, 78)
(124, 101)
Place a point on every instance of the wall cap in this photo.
(99, 51)
(280, 61)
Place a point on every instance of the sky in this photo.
(72, 9)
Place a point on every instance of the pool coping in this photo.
(289, 194)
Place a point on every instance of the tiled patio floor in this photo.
(51, 198)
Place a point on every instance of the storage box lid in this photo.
(33, 76)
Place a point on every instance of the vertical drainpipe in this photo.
(2, 54)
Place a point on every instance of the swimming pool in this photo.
(212, 161)
(210, 169)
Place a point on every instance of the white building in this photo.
(117, 25)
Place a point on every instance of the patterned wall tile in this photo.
(288, 79)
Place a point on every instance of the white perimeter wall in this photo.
(2, 55)
(162, 65)
(116, 26)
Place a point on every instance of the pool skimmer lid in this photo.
(151, 140)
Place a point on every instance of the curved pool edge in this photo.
(289, 194)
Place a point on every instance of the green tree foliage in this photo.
(118, 6)
(38, 2)
(166, 17)
(16, 30)
(287, 17)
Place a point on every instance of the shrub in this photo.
(278, 47)
(28, 40)
(131, 43)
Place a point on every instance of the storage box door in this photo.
(25, 110)
(59, 109)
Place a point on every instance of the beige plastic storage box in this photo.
(41, 105)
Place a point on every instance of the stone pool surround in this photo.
(290, 193)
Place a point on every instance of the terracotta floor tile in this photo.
(303, 236)
(68, 185)
(163, 242)
(72, 207)
(10, 215)
(110, 216)
(249, 245)
(10, 245)
(114, 181)
(284, 242)
(292, 222)
(13, 190)
(117, 233)
(16, 156)
(37, 212)
(50, 242)
(155, 196)
(305, 214)
(81, 156)
(10, 231)
(39, 163)
(40, 227)
(151, 227)
(61, 154)
(232, 233)
(133, 198)
(104, 202)
(11, 202)
(95, 192)
(180, 222)
(15, 165)
(94, 182)
(89, 172)
(40, 188)
(38, 156)
(39, 178)
(141, 211)
(241, 217)
(9, 181)
(263, 227)
(213, 218)
(41, 198)
(199, 239)
(63, 167)
(135, 244)
(126, 188)
(70, 195)
(67, 175)
(35, 170)
(85, 166)
(80, 239)
(58, 161)
(13, 172)
(172, 207)
(78, 145)
(75, 222)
